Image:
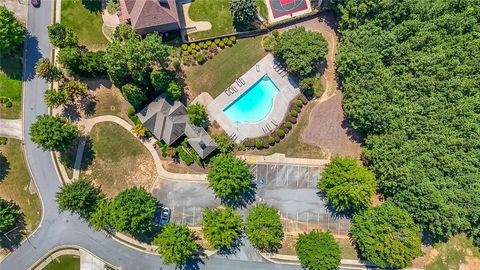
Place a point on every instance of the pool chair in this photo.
(238, 83)
(242, 81)
(257, 66)
(228, 93)
(234, 88)
(284, 74)
(274, 123)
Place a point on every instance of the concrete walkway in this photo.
(194, 26)
(90, 262)
(11, 128)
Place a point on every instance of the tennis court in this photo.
(282, 9)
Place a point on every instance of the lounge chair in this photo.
(238, 83)
(228, 93)
(257, 66)
(242, 81)
(234, 88)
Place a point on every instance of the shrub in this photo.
(271, 140)
(229, 43)
(200, 58)
(258, 143)
(185, 60)
(312, 86)
(192, 45)
(3, 140)
(275, 33)
(208, 43)
(189, 50)
(224, 40)
(298, 103)
(184, 156)
(268, 43)
(293, 113)
(197, 48)
(288, 125)
(281, 133)
(184, 47)
(296, 108)
(92, 64)
(318, 251)
(134, 95)
(213, 46)
(8, 104)
(217, 41)
(303, 99)
(201, 44)
(221, 44)
(233, 39)
(175, 90)
(161, 79)
(69, 57)
(61, 36)
(286, 130)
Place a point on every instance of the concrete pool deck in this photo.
(240, 131)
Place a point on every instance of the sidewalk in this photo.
(11, 128)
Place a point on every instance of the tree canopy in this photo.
(79, 197)
(264, 227)
(301, 50)
(222, 227)
(46, 70)
(243, 11)
(56, 97)
(347, 185)
(132, 211)
(318, 251)
(229, 177)
(61, 36)
(53, 133)
(70, 58)
(175, 90)
(225, 144)
(387, 236)
(197, 114)
(161, 79)
(176, 244)
(130, 59)
(12, 32)
(134, 95)
(409, 72)
(9, 215)
(74, 89)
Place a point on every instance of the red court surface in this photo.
(282, 8)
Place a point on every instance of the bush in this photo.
(298, 103)
(268, 43)
(3, 140)
(318, 251)
(221, 44)
(201, 44)
(258, 143)
(213, 46)
(197, 48)
(185, 60)
(70, 58)
(134, 95)
(281, 133)
(233, 39)
(175, 90)
(8, 104)
(224, 40)
(277, 139)
(288, 125)
(184, 156)
(296, 108)
(192, 45)
(92, 64)
(271, 140)
(208, 43)
(161, 79)
(184, 47)
(293, 113)
(229, 43)
(61, 36)
(217, 41)
(312, 86)
(113, 6)
(200, 58)
(275, 33)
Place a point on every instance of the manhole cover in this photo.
(112, 108)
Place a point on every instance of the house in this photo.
(147, 16)
(168, 121)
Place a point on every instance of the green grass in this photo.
(11, 85)
(453, 253)
(262, 8)
(85, 18)
(118, 159)
(217, 12)
(65, 262)
(14, 184)
(218, 73)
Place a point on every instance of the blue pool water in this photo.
(254, 104)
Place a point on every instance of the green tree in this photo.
(100, 218)
(79, 197)
(264, 227)
(53, 133)
(243, 11)
(347, 185)
(131, 60)
(132, 211)
(176, 244)
(56, 97)
(222, 227)
(61, 36)
(74, 89)
(175, 90)
(229, 177)
(140, 130)
(70, 58)
(318, 251)
(301, 50)
(161, 79)
(12, 32)
(225, 144)
(134, 95)
(46, 70)
(387, 236)
(197, 114)
(124, 32)
(92, 64)
(9, 215)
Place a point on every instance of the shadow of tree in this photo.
(88, 104)
(4, 167)
(33, 54)
(247, 198)
(352, 133)
(67, 157)
(226, 251)
(332, 210)
(92, 5)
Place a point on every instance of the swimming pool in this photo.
(254, 104)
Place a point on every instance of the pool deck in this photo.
(240, 131)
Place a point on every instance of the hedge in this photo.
(258, 143)
(293, 113)
(271, 140)
(281, 133)
(299, 103)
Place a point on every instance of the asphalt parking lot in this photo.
(291, 189)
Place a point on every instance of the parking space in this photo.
(286, 175)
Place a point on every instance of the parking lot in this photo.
(291, 189)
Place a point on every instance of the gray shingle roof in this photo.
(149, 13)
(168, 121)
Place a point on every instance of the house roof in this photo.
(168, 121)
(148, 13)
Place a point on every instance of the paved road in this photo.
(62, 228)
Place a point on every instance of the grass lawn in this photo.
(65, 262)
(262, 8)
(106, 100)
(348, 250)
(14, 184)
(292, 145)
(219, 72)
(85, 18)
(118, 159)
(11, 85)
(216, 12)
(457, 251)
